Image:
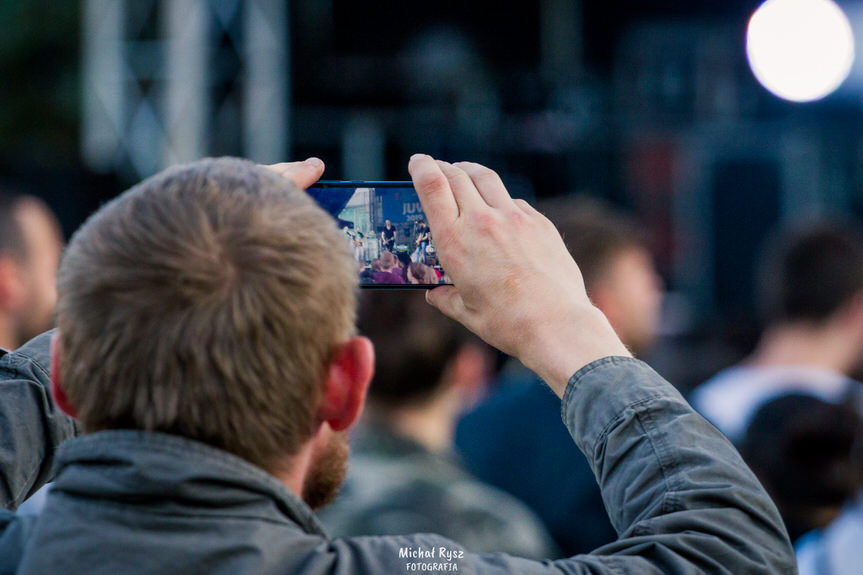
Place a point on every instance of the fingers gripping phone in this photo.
(384, 224)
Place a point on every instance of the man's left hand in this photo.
(303, 174)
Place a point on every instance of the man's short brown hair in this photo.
(206, 302)
(810, 269)
(416, 343)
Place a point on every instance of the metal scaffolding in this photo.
(169, 81)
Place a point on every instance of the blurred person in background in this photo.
(403, 476)
(804, 451)
(506, 440)
(30, 245)
(838, 548)
(811, 297)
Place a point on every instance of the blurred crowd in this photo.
(461, 442)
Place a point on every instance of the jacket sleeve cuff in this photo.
(598, 393)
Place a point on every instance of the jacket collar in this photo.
(172, 473)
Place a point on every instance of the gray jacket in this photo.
(131, 502)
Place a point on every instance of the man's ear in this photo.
(346, 383)
(469, 371)
(11, 287)
(849, 316)
(852, 310)
(56, 385)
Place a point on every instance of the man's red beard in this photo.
(327, 472)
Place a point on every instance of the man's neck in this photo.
(432, 425)
(8, 339)
(296, 469)
(806, 345)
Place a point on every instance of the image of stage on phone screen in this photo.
(387, 231)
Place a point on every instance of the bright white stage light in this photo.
(801, 50)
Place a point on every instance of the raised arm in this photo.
(31, 425)
(680, 496)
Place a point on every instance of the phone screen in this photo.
(384, 224)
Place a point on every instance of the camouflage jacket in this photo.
(396, 486)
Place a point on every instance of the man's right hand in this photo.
(515, 284)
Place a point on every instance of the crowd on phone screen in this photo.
(397, 265)
(795, 415)
(391, 269)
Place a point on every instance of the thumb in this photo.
(447, 299)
